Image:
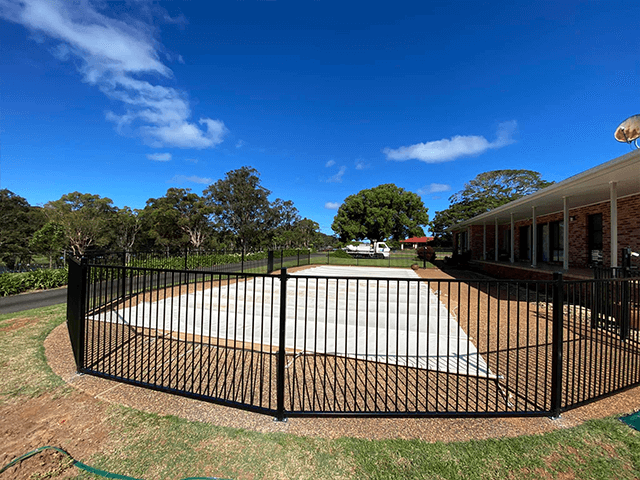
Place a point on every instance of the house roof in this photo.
(417, 240)
(586, 188)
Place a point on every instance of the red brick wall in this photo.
(628, 232)
(628, 225)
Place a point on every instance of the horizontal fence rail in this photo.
(295, 344)
(249, 262)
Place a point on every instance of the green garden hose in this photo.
(84, 467)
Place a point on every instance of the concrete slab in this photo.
(376, 314)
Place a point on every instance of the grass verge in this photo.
(152, 446)
(23, 367)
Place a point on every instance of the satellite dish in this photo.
(629, 131)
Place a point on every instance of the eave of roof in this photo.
(586, 188)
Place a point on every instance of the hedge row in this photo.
(14, 283)
(207, 260)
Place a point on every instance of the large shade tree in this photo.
(49, 240)
(86, 220)
(485, 192)
(125, 228)
(178, 219)
(380, 213)
(242, 207)
(302, 233)
(18, 221)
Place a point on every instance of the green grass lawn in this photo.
(152, 446)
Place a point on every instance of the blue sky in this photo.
(128, 99)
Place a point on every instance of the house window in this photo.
(506, 241)
(556, 241)
(525, 243)
(595, 238)
(462, 242)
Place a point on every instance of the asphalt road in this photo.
(27, 301)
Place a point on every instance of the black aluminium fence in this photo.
(295, 345)
(253, 262)
(211, 260)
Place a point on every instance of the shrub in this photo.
(14, 283)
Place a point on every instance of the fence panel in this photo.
(317, 345)
(201, 334)
(602, 344)
(369, 346)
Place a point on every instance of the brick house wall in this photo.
(628, 232)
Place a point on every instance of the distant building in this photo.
(414, 242)
(584, 220)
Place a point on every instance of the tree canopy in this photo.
(234, 212)
(18, 221)
(242, 208)
(485, 192)
(178, 219)
(380, 213)
(84, 218)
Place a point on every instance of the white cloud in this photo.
(191, 160)
(337, 178)
(330, 163)
(113, 53)
(332, 205)
(449, 149)
(191, 179)
(361, 165)
(159, 157)
(240, 143)
(434, 188)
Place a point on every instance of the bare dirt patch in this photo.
(18, 323)
(74, 422)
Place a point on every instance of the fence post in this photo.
(270, 261)
(242, 261)
(186, 253)
(280, 363)
(557, 344)
(298, 258)
(123, 289)
(625, 297)
(76, 306)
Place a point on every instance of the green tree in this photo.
(86, 220)
(485, 192)
(301, 233)
(242, 207)
(18, 221)
(380, 213)
(178, 219)
(50, 240)
(308, 232)
(126, 225)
